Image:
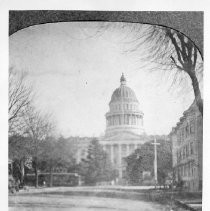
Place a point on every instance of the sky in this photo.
(75, 67)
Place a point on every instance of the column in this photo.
(127, 149)
(78, 154)
(120, 160)
(112, 152)
(131, 146)
(104, 147)
(117, 119)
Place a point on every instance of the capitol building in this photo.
(124, 126)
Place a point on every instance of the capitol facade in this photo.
(124, 126)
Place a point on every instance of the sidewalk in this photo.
(194, 204)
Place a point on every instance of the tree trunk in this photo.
(51, 175)
(196, 89)
(36, 173)
(22, 171)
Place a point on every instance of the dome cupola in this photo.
(123, 80)
(123, 93)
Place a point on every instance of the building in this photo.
(187, 142)
(80, 147)
(124, 126)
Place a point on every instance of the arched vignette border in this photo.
(188, 23)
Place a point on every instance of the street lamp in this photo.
(155, 160)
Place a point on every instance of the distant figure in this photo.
(17, 186)
(44, 183)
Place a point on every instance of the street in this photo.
(73, 198)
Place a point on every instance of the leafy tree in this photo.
(139, 161)
(20, 153)
(143, 160)
(56, 154)
(96, 167)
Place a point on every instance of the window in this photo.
(182, 170)
(187, 130)
(187, 151)
(190, 171)
(134, 120)
(182, 134)
(183, 153)
(191, 148)
(185, 170)
(192, 127)
(127, 119)
(177, 155)
(137, 120)
(179, 136)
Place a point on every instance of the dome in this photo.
(123, 93)
(124, 114)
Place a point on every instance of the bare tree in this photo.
(166, 49)
(20, 96)
(38, 127)
(172, 51)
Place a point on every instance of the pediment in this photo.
(126, 136)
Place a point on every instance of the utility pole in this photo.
(155, 160)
